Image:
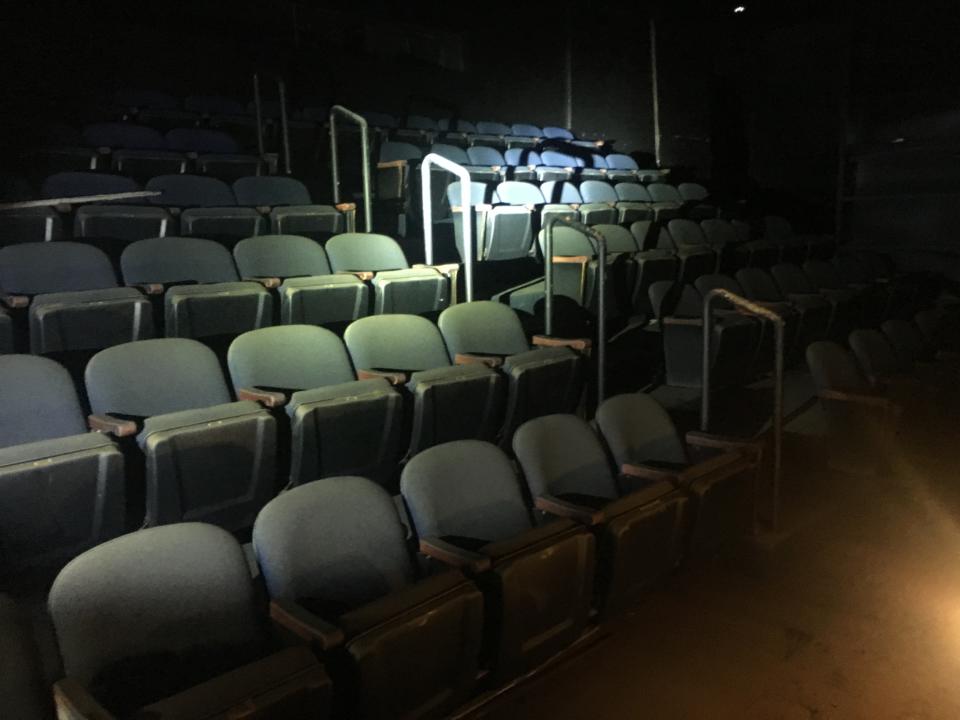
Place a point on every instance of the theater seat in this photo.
(717, 474)
(292, 212)
(640, 527)
(73, 298)
(467, 511)
(298, 267)
(22, 690)
(338, 425)
(164, 623)
(207, 458)
(540, 380)
(446, 401)
(334, 558)
(61, 488)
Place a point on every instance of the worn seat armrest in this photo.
(393, 377)
(391, 164)
(150, 288)
(689, 322)
(268, 282)
(296, 619)
(566, 509)
(450, 554)
(444, 268)
(579, 344)
(365, 275)
(112, 425)
(14, 301)
(645, 472)
(699, 438)
(880, 403)
(491, 361)
(267, 398)
(346, 207)
(74, 702)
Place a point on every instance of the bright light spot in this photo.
(739, 9)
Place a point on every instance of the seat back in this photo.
(369, 252)
(175, 260)
(486, 127)
(834, 368)
(480, 155)
(395, 342)
(512, 192)
(200, 140)
(122, 135)
(791, 279)
(39, 401)
(597, 191)
(560, 192)
(561, 456)
(619, 161)
(906, 339)
(522, 157)
(53, 267)
(874, 354)
(191, 191)
(77, 184)
(280, 256)
(480, 192)
(554, 158)
(632, 192)
(692, 192)
(393, 151)
(663, 193)
(451, 153)
(719, 232)
(758, 285)
(291, 357)
(270, 190)
(135, 623)
(638, 430)
(687, 234)
(526, 130)
(557, 132)
(155, 377)
(483, 327)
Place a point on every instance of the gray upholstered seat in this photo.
(691, 248)
(207, 458)
(642, 529)
(291, 209)
(465, 496)
(61, 488)
(398, 288)
(338, 425)
(540, 381)
(142, 631)
(449, 402)
(500, 232)
(336, 548)
(310, 292)
(217, 305)
(23, 692)
(814, 310)
(76, 304)
(718, 477)
(209, 208)
(795, 284)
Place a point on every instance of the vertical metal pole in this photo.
(548, 276)
(568, 72)
(285, 128)
(364, 158)
(655, 89)
(602, 320)
(466, 206)
(334, 160)
(705, 371)
(365, 171)
(259, 111)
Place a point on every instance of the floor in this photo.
(851, 611)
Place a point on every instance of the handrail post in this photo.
(600, 243)
(466, 210)
(284, 126)
(259, 113)
(364, 158)
(780, 335)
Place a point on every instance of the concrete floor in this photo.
(852, 611)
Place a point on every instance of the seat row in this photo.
(498, 585)
(67, 297)
(190, 204)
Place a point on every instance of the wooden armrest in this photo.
(532, 168)
(479, 207)
(645, 472)
(267, 398)
(302, 623)
(691, 322)
(364, 275)
(391, 164)
(723, 442)
(150, 288)
(112, 425)
(346, 207)
(74, 702)
(445, 269)
(268, 282)
(579, 344)
(491, 361)
(867, 400)
(392, 377)
(496, 168)
(263, 209)
(565, 509)
(450, 554)
(530, 206)
(570, 259)
(15, 301)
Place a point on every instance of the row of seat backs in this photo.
(182, 190)
(392, 151)
(513, 192)
(129, 136)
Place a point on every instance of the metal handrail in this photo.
(466, 209)
(600, 243)
(364, 155)
(259, 113)
(779, 326)
(284, 125)
(79, 199)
